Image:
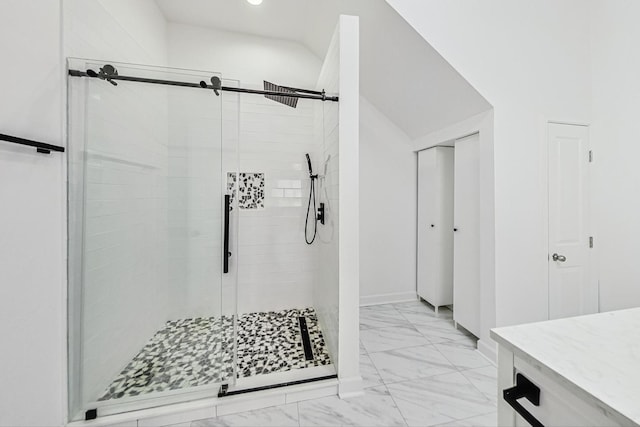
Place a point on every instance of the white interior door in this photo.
(427, 199)
(466, 245)
(572, 289)
(435, 225)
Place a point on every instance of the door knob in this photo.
(560, 258)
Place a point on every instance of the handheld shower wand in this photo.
(312, 196)
(309, 164)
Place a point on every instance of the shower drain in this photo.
(306, 341)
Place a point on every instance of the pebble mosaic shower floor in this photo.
(195, 352)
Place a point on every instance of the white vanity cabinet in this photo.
(579, 371)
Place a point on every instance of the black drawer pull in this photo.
(530, 391)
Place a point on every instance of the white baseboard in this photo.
(388, 298)
(350, 387)
(489, 349)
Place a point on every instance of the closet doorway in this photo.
(449, 229)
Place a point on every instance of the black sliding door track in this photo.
(224, 393)
(306, 94)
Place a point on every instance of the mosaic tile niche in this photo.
(251, 189)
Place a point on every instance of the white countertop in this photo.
(596, 356)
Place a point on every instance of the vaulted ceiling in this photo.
(400, 73)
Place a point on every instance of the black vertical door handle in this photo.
(225, 248)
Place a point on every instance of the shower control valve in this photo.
(321, 213)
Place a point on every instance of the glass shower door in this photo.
(147, 184)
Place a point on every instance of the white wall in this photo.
(615, 133)
(243, 57)
(115, 30)
(32, 278)
(530, 60)
(388, 189)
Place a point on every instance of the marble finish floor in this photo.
(196, 352)
(418, 370)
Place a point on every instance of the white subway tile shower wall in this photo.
(275, 266)
(125, 238)
(196, 185)
(153, 191)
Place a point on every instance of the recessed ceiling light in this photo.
(254, 2)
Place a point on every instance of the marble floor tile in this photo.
(380, 317)
(375, 408)
(423, 307)
(442, 331)
(439, 399)
(462, 355)
(420, 318)
(378, 307)
(424, 315)
(417, 305)
(285, 415)
(362, 349)
(369, 373)
(391, 338)
(486, 420)
(446, 383)
(410, 363)
(484, 379)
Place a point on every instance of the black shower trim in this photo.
(224, 388)
(307, 94)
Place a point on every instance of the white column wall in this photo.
(32, 231)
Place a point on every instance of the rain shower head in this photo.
(285, 100)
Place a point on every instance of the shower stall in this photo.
(190, 275)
